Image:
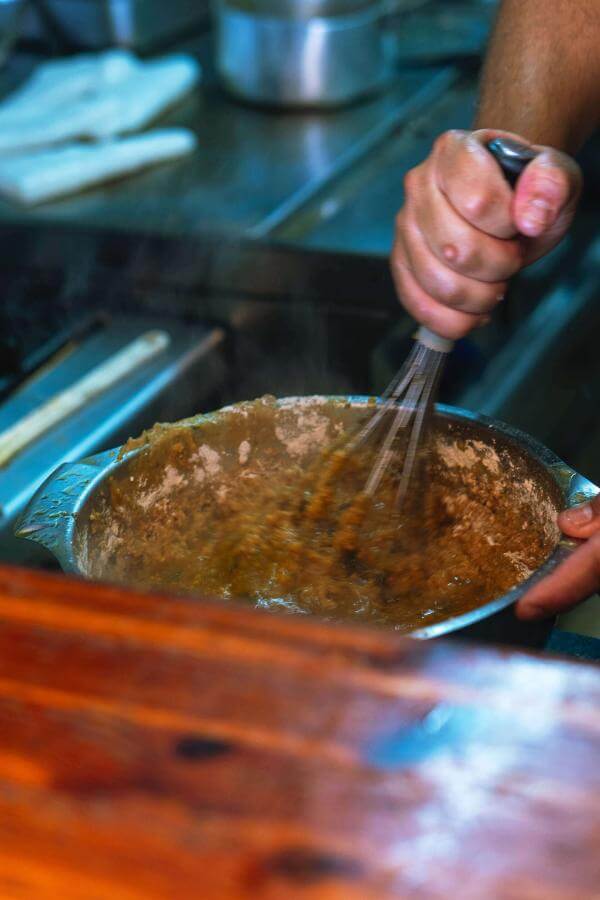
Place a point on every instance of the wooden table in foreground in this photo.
(160, 748)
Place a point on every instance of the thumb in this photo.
(581, 521)
(546, 195)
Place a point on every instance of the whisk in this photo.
(410, 398)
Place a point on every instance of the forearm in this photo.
(541, 78)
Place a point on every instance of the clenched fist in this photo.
(463, 232)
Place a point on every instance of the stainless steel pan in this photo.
(58, 515)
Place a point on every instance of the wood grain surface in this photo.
(153, 747)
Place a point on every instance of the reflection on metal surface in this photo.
(184, 375)
(543, 328)
(14, 439)
(355, 209)
(286, 58)
(286, 213)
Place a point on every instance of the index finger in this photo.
(575, 579)
(472, 181)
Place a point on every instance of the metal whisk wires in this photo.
(409, 400)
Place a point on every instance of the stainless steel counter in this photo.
(356, 209)
(253, 167)
(260, 172)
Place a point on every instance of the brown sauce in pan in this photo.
(297, 533)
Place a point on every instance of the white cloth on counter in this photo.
(46, 174)
(89, 98)
(93, 98)
(62, 80)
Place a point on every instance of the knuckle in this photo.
(440, 143)
(410, 181)
(449, 293)
(446, 139)
(468, 256)
(489, 263)
(477, 205)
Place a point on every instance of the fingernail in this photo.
(579, 515)
(538, 214)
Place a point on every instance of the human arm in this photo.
(541, 77)
(462, 233)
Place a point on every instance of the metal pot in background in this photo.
(71, 25)
(302, 53)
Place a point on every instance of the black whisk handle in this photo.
(512, 157)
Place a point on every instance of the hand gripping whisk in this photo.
(409, 400)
